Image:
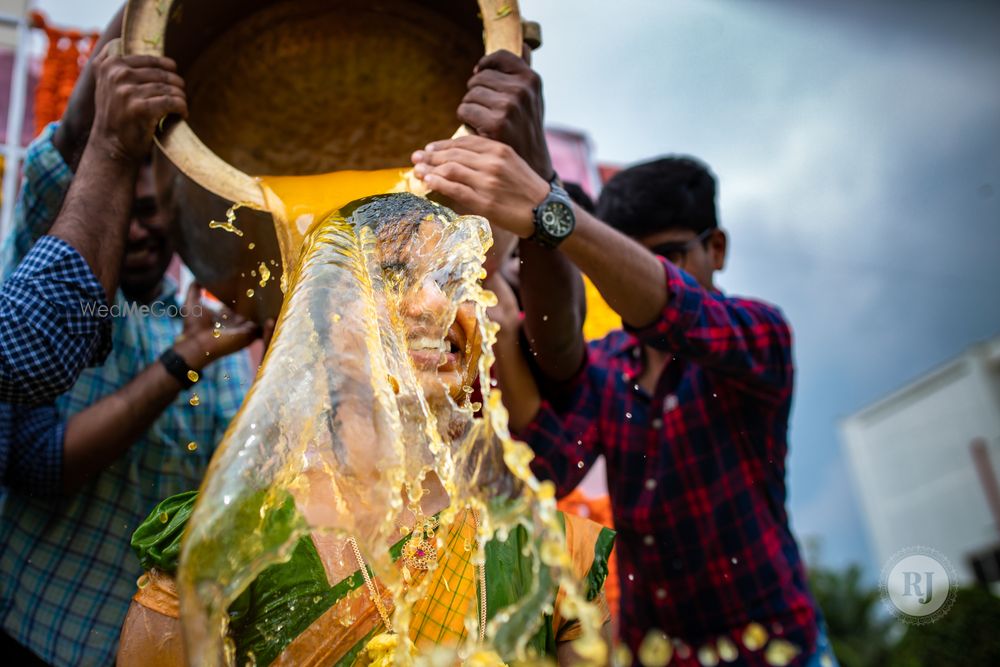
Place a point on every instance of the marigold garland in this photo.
(67, 53)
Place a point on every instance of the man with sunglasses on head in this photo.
(689, 404)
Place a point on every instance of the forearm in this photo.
(552, 294)
(628, 276)
(514, 379)
(94, 218)
(98, 436)
(71, 136)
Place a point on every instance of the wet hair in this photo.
(674, 192)
(579, 197)
(394, 218)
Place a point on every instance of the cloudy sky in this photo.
(857, 146)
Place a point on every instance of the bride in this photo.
(326, 604)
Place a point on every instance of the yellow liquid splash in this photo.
(342, 420)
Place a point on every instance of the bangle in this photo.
(178, 368)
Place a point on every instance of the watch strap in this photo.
(177, 367)
(540, 236)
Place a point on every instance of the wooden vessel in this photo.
(298, 87)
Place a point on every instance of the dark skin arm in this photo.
(487, 178)
(98, 436)
(504, 102)
(133, 93)
(73, 131)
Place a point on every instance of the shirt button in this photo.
(661, 594)
(650, 484)
(657, 423)
(670, 403)
(649, 540)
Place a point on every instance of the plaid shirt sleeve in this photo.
(748, 340)
(50, 328)
(31, 459)
(566, 438)
(46, 181)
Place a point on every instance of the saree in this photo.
(293, 614)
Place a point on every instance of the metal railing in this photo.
(13, 152)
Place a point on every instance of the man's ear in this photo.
(718, 244)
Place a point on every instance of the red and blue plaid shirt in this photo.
(696, 472)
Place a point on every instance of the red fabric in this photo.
(695, 472)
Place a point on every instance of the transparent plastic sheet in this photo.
(362, 438)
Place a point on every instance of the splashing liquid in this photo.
(349, 419)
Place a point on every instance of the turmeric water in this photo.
(367, 505)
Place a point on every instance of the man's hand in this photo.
(133, 94)
(71, 135)
(209, 335)
(504, 102)
(484, 177)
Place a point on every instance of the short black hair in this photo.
(673, 192)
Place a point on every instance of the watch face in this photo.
(557, 219)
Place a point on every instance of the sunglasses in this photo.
(676, 251)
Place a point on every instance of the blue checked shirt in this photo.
(49, 331)
(66, 571)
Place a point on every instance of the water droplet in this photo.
(194, 400)
(707, 656)
(225, 376)
(250, 292)
(545, 318)
(754, 636)
(622, 656)
(251, 246)
(727, 649)
(164, 517)
(216, 333)
(780, 652)
(655, 650)
(193, 376)
(192, 446)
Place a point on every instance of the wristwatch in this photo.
(554, 217)
(177, 367)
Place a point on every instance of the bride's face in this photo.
(445, 349)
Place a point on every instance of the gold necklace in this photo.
(380, 604)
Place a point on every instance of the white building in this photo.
(915, 464)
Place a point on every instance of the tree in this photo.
(967, 636)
